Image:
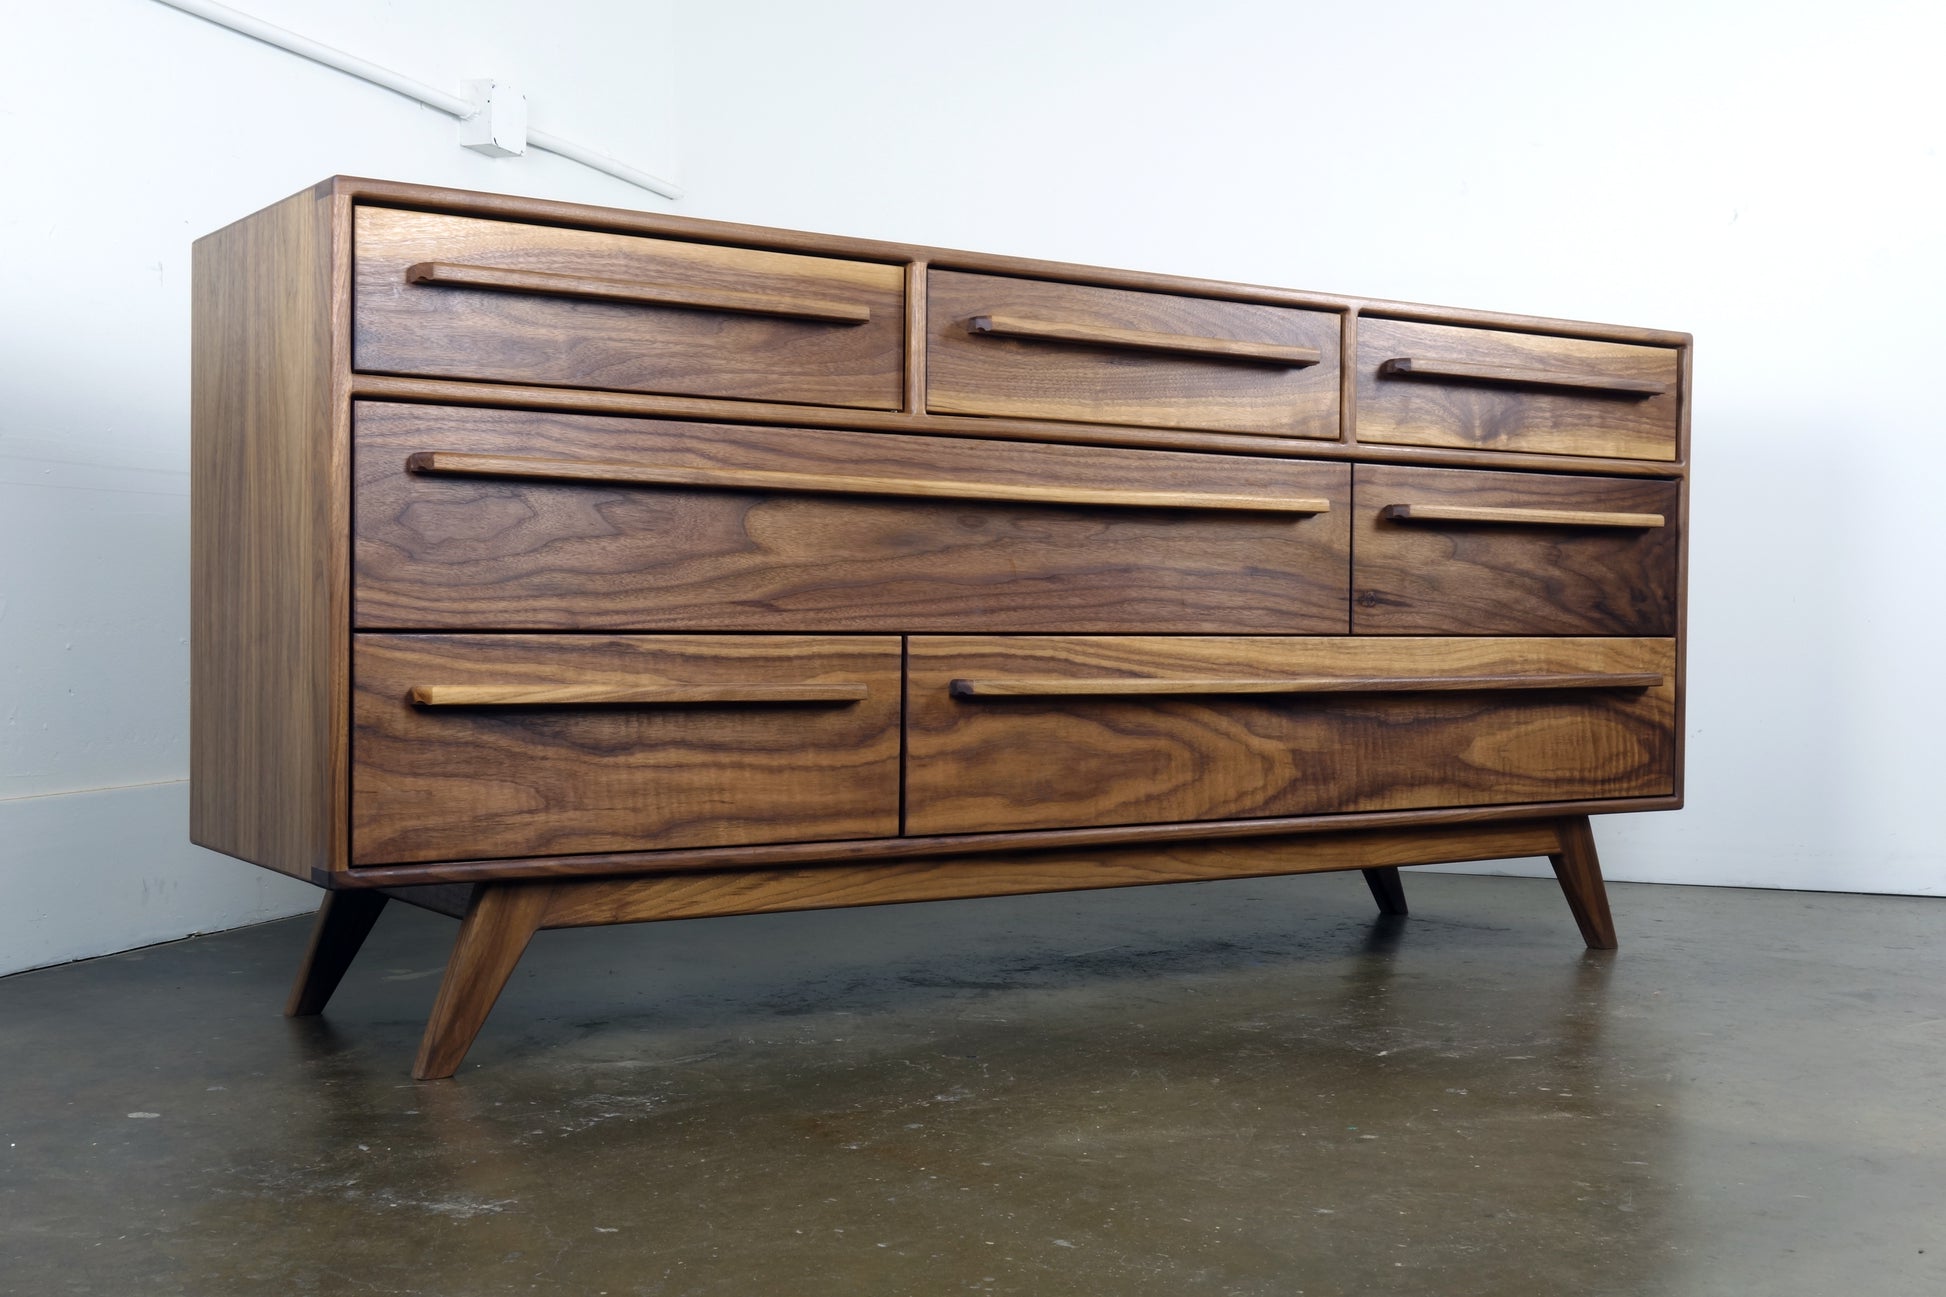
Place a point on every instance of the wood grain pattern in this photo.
(388, 387)
(461, 873)
(446, 552)
(1432, 576)
(643, 292)
(998, 375)
(1169, 344)
(1578, 868)
(1158, 760)
(268, 582)
(486, 333)
(765, 479)
(430, 784)
(499, 923)
(761, 891)
(898, 489)
(1424, 407)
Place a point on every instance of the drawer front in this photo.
(492, 746)
(775, 529)
(1479, 389)
(1034, 350)
(456, 297)
(1035, 733)
(1444, 551)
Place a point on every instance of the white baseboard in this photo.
(91, 873)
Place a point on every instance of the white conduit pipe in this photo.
(454, 105)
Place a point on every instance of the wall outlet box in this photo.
(498, 124)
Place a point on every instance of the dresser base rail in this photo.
(498, 918)
(633, 864)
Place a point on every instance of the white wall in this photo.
(1766, 176)
(132, 129)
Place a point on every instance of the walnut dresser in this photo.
(559, 565)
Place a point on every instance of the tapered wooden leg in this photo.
(1387, 889)
(344, 921)
(500, 920)
(1579, 870)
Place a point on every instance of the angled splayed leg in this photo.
(344, 921)
(500, 920)
(1579, 870)
(1387, 889)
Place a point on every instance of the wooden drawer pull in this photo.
(1098, 335)
(568, 470)
(1519, 376)
(644, 696)
(1528, 517)
(593, 288)
(1052, 687)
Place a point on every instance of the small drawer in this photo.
(495, 746)
(1480, 389)
(1039, 733)
(1444, 551)
(457, 297)
(1029, 349)
(478, 519)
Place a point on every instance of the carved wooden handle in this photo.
(1100, 335)
(1052, 687)
(1519, 376)
(593, 288)
(761, 479)
(618, 696)
(1527, 517)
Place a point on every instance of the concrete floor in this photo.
(1225, 1088)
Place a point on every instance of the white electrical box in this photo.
(498, 124)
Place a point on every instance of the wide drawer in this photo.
(484, 746)
(1482, 389)
(1036, 350)
(1444, 551)
(1045, 732)
(501, 520)
(458, 297)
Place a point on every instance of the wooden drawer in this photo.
(458, 297)
(1480, 389)
(1032, 733)
(1444, 551)
(526, 521)
(485, 746)
(1035, 350)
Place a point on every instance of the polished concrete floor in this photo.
(1225, 1088)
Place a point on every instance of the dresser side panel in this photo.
(1682, 569)
(267, 542)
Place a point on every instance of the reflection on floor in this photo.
(1228, 1088)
